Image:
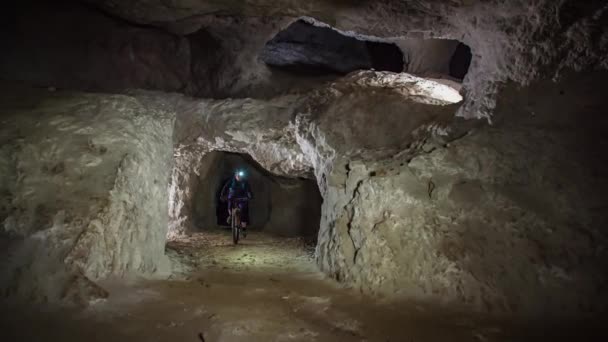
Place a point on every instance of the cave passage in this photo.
(461, 61)
(436, 58)
(304, 48)
(288, 207)
(311, 49)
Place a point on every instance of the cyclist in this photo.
(237, 191)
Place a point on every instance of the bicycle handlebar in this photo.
(239, 199)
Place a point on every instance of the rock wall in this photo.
(65, 45)
(184, 180)
(258, 128)
(504, 219)
(296, 209)
(282, 134)
(87, 197)
(514, 40)
(419, 205)
(212, 49)
(72, 46)
(413, 205)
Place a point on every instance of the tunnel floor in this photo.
(259, 252)
(265, 289)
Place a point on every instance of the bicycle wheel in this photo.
(235, 225)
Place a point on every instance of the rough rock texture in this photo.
(514, 40)
(415, 208)
(506, 218)
(218, 43)
(46, 45)
(87, 192)
(509, 217)
(183, 182)
(281, 133)
(296, 209)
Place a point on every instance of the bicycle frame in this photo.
(235, 218)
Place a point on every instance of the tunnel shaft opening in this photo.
(281, 206)
(308, 48)
(305, 48)
(461, 61)
(436, 58)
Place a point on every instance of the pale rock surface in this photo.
(412, 206)
(215, 46)
(503, 219)
(87, 192)
(516, 40)
(296, 135)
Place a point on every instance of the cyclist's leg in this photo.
(229, 218)
(244, 206)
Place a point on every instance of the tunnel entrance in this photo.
(288, 207)
(314, 49)
(436, 58)
(306, 48)
(461, 61)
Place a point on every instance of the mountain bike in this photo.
(235, 218)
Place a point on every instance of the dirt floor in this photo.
(264, 289)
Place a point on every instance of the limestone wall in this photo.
(417, 204)
(88, 195)
(504, 219)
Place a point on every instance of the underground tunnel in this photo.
(305, 48)
(282, 206)
(311, 48)
(437, 164)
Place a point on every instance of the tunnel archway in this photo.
(282, 206)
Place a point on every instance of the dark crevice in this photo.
(461, 61)
(573, 10)
(350, 209)
(385, 57)
(303, 48)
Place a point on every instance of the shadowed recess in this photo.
(305, 48)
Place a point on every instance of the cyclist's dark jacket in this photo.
(236, 189)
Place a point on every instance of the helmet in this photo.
(239, 172)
